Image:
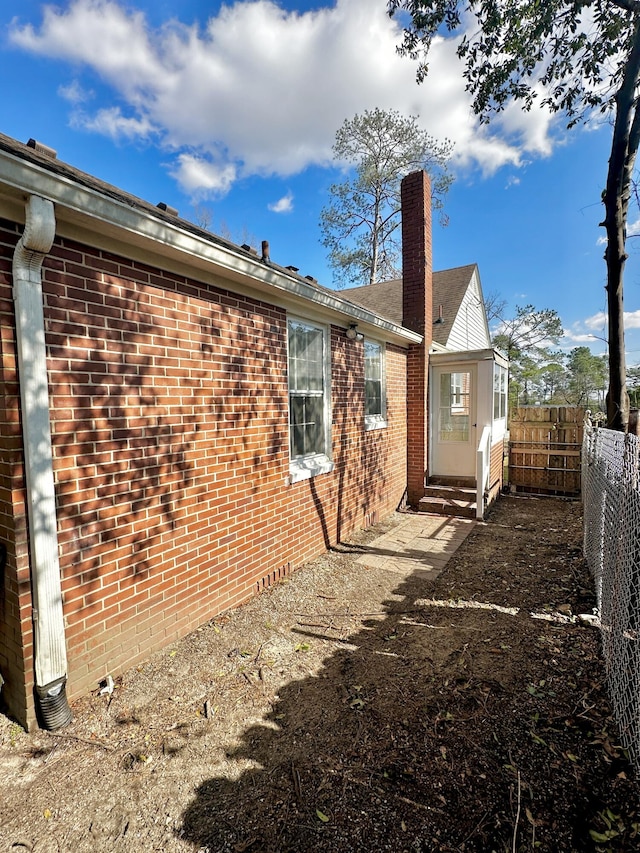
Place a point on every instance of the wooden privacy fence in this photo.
(545, 445)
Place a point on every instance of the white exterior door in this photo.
(453, 420)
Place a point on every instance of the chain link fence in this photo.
(611, 498)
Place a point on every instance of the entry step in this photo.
(449, 500)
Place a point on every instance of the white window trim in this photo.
(379, 421)
(305, 467)
(503, 373)
(309, 466)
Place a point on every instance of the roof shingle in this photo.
(385, 298)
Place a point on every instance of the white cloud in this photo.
(533, 126)
(588, 331)
(75, 93)
(110, 122)
(99, 34)
(573, 337)
(201, 177)
(283, 205)
(261, 91)
(632, 319)
(594, 328)
(596, 321)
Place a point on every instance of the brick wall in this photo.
(169, 420)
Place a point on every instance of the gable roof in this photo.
(385, 298)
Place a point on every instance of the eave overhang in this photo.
(116, 222)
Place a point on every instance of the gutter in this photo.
(48, 619)
(116, 215)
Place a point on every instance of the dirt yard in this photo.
(350, 710)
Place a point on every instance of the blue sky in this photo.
(233, 110)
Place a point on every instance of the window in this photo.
(455, 399)
(374, 385)
(499, 392)
(309, 422)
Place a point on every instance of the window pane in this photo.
(372, 378)
(306, 357)
(297, 441)
(307, 391)
(372, 359)
(314, 425)
(453, 415)
(372, 397)
(499, 392)
(307, 425)
(445, 390)
(503, 391)
(297, 426)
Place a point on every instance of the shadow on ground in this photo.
(452, 720)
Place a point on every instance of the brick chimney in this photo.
(417, 311)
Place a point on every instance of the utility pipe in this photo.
(48, 619)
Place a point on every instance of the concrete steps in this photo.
(456, 500)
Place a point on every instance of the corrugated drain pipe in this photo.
(48, 620)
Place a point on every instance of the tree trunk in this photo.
(624, 147)
(375, 243)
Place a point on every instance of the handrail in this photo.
(483, 467)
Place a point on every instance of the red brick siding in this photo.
(417, 309)
(169, 411)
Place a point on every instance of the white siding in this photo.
(469, 330)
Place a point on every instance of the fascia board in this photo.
(79, 206)
(501, 358)
(459, 356)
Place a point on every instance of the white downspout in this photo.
(483, 467)
(48, 619)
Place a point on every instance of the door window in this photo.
(455, 401)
